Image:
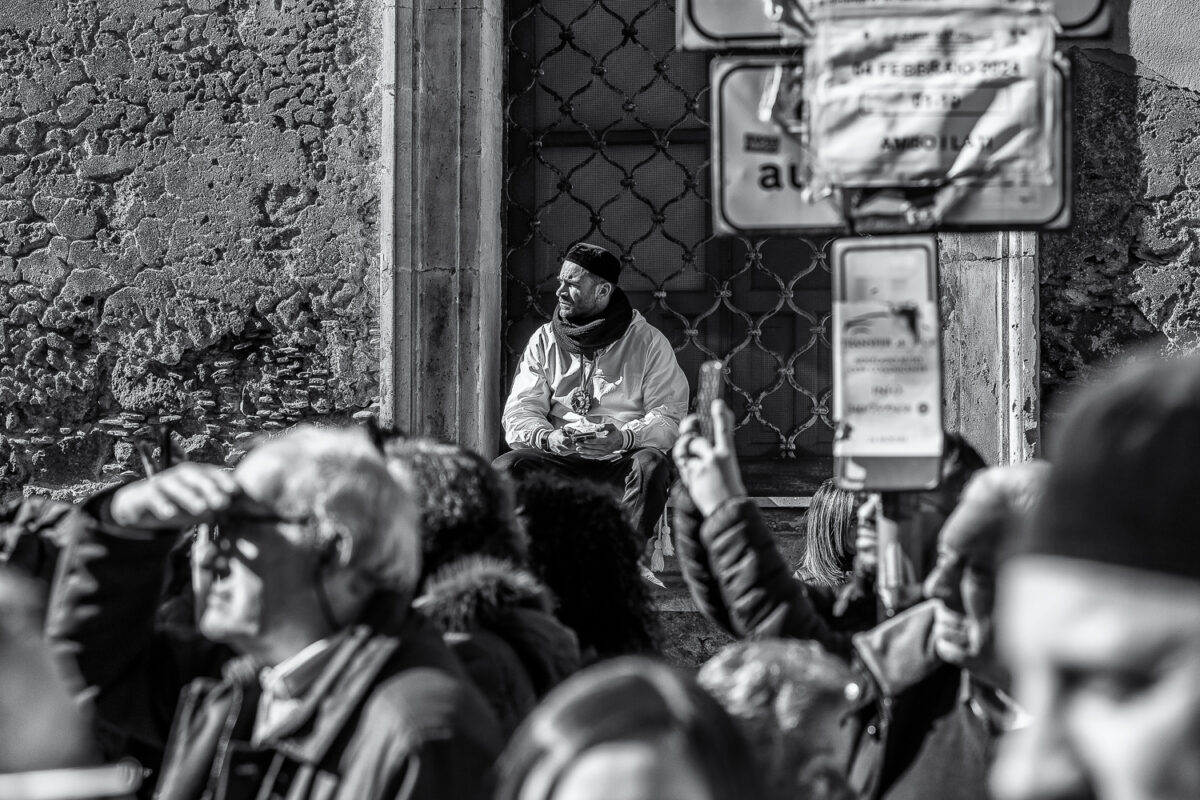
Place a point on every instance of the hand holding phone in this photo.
(709, 389)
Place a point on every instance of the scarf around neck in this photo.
(585, 337)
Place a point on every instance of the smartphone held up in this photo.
(708, 389)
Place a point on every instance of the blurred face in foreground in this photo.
(1107, 662)
(964, 581)
(632, 770)
(249, 575)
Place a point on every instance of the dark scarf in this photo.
(585, 337)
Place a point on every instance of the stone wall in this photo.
(188, 226)
(1122, 279)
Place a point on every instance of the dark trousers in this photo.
(643, 475)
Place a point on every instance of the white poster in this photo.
(919, 94)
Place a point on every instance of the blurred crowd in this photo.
(352, 613)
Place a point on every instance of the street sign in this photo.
(760, 175)
(732, 24)
(760, 167)
(960, 104)
(887, 391)
(773, 24)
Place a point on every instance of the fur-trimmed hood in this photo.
(482, 593)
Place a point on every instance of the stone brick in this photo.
(156, 211)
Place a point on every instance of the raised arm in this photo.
(730, 561)
(101, 617)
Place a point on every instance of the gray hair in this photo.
(360, 512)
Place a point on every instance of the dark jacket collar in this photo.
(335, 695)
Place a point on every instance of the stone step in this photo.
(786, 523)
(690, 638)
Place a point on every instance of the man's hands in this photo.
(709, 471)
(184, 495)
(563, 442)
(560, 444)
(607, 441)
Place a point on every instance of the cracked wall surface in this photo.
(188, 226)
(1123, 278)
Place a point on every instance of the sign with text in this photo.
(770, 24)
(1076, 18)
(887, 393)
(942, 99)
(760, 167)
(918, 94)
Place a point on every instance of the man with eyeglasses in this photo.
(309, 677)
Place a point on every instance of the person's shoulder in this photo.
(645, 331)
(423, 688)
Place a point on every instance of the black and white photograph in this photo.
(600, 399)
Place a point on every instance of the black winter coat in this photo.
(498, 619)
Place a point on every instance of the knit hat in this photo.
(596, 260)
(1125, 486)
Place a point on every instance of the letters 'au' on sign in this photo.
(760, 167)
(942, 97)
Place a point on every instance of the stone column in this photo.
(442, 262)
(989, 297)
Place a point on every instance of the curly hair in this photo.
(788, 697)
(582, 546)
(466, 506)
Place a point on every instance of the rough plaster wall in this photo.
(187, 225)
(1124, 276)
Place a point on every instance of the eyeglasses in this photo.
(216, 535)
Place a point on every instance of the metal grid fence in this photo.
(608, 142)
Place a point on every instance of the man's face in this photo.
(1106, 660)
(247, 574)
(580, 293)
(964, 580)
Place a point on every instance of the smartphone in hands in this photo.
(709, 388)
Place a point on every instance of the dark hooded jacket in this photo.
(918, 728)
(498, 619)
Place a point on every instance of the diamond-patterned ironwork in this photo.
(608, 142)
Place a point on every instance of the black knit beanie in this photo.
(1125, 485)
(596, 260)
